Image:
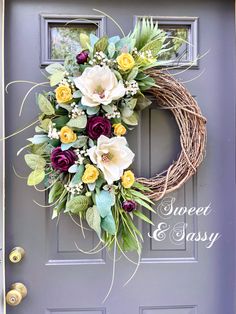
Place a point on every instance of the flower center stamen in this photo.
(100, 91)
(107, 157)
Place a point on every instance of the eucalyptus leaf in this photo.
(73, 169)
(81, 141)
(35, 177)
(66, 146)
(108, 108)
(126, 112)
(78, 204)
(92, 110)
(77, 94)
(108, 224)
(93, 39)
(91, 186)
(78, 123)
(111, 49)
(35, 161)
(104, 201)
(39, 139)
(78, 176)
(45, 105)
(142, 102)
(94, 220)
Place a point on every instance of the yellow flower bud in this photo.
(125, 61)
(63, 94)
(91, 174)
(128, 179)
(67, 135)
(119, 129)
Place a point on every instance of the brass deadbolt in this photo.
(16, 254)
(17, 293)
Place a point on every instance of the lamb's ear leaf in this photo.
(36, 177)
(94, 220)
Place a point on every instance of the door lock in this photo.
(17, 293)
(16, 254)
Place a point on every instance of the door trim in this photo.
(2, 163)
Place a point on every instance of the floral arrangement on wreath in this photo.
(80, 150)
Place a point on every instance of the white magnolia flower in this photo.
(99, 85)
(112, 156)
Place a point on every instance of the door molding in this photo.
(2, 163)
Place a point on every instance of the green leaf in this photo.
(144, 204)
(108, 224)
(94, 220)
(143, 217)
(54, 67)
(104, 201)
(141, 195)
(66, 107)
(132, 120)
(81, 141)
(142, 102)
(78, 204)
(132, 103)
(35, 161)
(140, 186)
(132, 75)
(154, 45)
(78, 123)
(60, 121)
(101, 44)
(45, 105)
(126, 112)
(129, 242)
(45, 124)
(38, 149)
(36, 177)
(78, 176)
(55, 192)
(56, 77)
(108, 108)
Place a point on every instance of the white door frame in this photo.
(2, 159)
(2, 162)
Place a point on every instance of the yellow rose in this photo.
(63, 94)
(128, 179)
(67, 135)
(119, 129)
(125, 61)
(90, 175)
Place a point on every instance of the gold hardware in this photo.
(16, 254)
(16, 294)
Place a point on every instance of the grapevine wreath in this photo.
(80, 151)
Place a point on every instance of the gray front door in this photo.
(173, 278)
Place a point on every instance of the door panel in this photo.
(172, 279)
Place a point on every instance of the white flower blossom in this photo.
(99, 85)
(112, 156)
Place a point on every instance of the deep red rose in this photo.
(97, 126)
(82, 57)
(62, 160)
(129, 205)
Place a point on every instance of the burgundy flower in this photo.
(62, 160)
(129, 205)
(82, 57)
(97, 126)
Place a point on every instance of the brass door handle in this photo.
(16, 254)
(17, 293)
